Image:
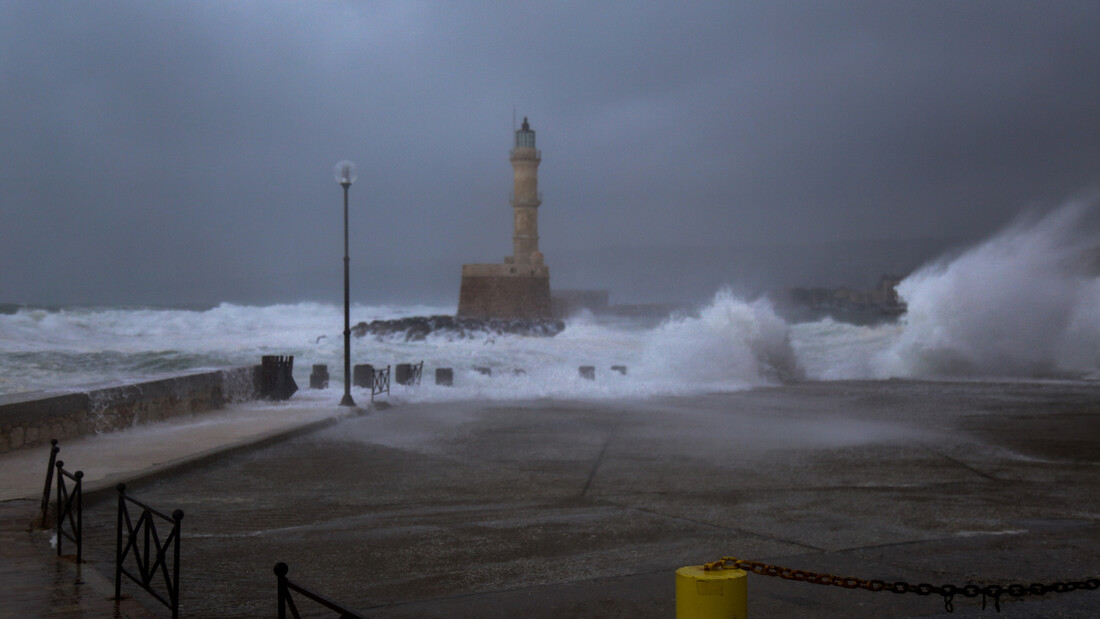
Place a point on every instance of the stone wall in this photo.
(503, 291)
(33, 418)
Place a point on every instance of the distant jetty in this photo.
(415, 328)
(880, 304)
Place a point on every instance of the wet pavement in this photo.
(147, 450)
(39, 584)
(36, 582)
(551, 509)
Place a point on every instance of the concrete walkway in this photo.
(547, 509)
(148, 450)
(39, 584)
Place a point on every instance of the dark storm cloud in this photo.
(182, 152)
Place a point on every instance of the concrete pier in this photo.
(586, 509)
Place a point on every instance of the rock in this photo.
(416, 328)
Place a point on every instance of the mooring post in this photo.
(711, 594)
(403, 374)
(319, 378)
(444, 377)
(364, 376)
(277, 377)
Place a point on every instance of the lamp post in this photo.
(345, 175)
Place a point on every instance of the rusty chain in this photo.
(948, 592)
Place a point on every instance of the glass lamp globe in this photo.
(345, 172)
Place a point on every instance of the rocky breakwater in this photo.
(415, 328)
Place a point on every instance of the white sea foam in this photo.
(731, 344)
(44, 349)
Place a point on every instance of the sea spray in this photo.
(730, 344)
(1021, 304)
(828, 349)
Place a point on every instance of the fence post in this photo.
(280, 574)
(57, 522)
(49, 481)
(118, 541)
(79, 516)
(65, 499)
(177, 516)
(286, 601)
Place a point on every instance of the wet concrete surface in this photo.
(554, 509)
(145, 450)
(39, 584)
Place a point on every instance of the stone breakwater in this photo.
(33, 418)
(417, 328)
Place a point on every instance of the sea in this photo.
(1023, 304)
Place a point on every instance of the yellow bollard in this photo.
(711, 594)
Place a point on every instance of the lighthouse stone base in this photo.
(505, 291)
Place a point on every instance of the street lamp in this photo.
(345, 175)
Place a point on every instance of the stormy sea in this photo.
(1022, 305)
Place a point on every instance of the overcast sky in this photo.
(183, 152)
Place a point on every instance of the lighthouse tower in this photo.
(520, 287)
(525, 197)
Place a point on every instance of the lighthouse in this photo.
(520, 286)
(526, 199)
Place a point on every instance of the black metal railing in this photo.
(69, 523)
(381, 383)
(287, 603)
(150, 553)
(48, 490)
